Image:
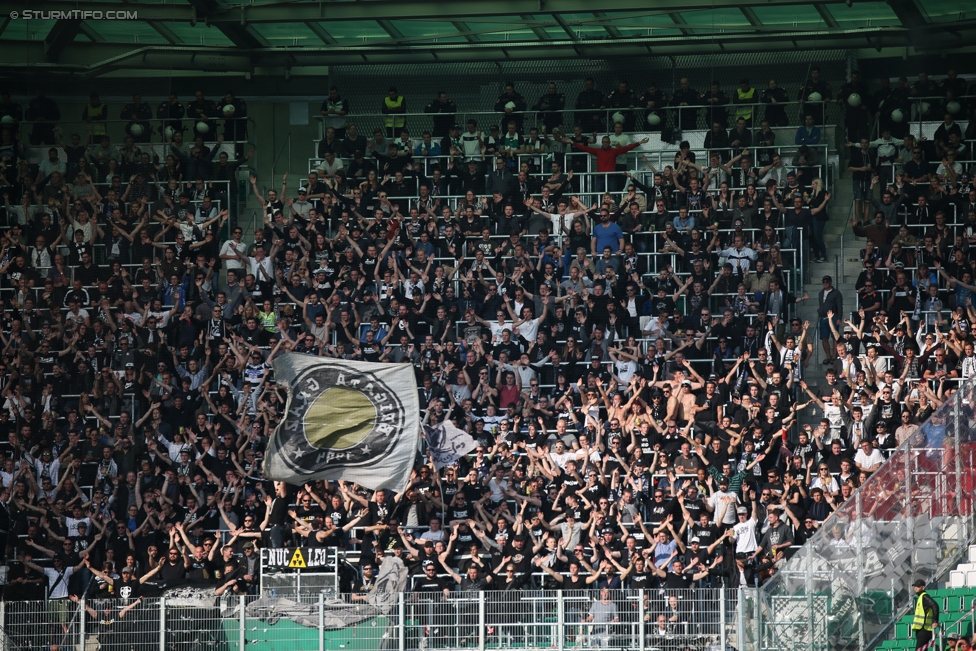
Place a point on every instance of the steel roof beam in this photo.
(463, 29)
(612, 31)
(321, 33)
(213, 13)
(62, 33)
(239, 32)
(751, 16)
(825, 15)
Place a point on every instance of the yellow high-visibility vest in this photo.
(923, 619)
(745, 112)
(394, 120)
(94, 112)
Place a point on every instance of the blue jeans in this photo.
(791, 237)
(819, 247)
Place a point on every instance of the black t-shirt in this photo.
(171, 573)
(279, 509)
(706, 535)
(658, 511)
(675, 582)
(430, 584)
(639, 580)
(128, 591)
(694, 508)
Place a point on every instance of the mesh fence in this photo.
(197, 621)
(913, 519)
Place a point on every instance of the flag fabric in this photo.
(345, 420)
(447, 443)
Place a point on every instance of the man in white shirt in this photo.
(259, 266)
(57, 588)
(330, 165)
(868, 458)
(739, 256)
(233, 249)
(744, 532)
(434, 531)
(560, 456)
(528, 327)
(722, 505)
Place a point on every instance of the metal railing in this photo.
(194, 618)
(669, 116)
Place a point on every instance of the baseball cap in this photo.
(696, 539)
(827, 279)
(919, 583)
(302, 191)
(249, 545)
(742, 510)
(952, 637)
(128, 570)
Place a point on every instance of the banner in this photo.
(345, 420)
(447, 443)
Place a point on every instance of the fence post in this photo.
(722, 619)
(81, 624)
(757, 600)
(808, 588)
(741, 620)
(321, 621)
(482, 621)
(242, 623)
(162, 624)
(641, 624)
(560, 620)
(401, 608)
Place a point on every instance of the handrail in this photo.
(607, 113)
(969, 614)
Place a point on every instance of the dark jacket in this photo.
(834, 303)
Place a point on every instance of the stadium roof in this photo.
(237, 36)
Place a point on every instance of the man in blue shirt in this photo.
(607, 233)
(808, 134)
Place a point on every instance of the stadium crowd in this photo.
(632, 368)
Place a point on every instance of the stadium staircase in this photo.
(956, 605)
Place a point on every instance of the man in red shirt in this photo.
(606, 162)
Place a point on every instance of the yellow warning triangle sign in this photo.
(297, 560)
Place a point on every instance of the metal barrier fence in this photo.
(196, 619)
(912, 519)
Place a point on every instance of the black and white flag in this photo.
(346, 420)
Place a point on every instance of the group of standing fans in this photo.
(635, 417)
